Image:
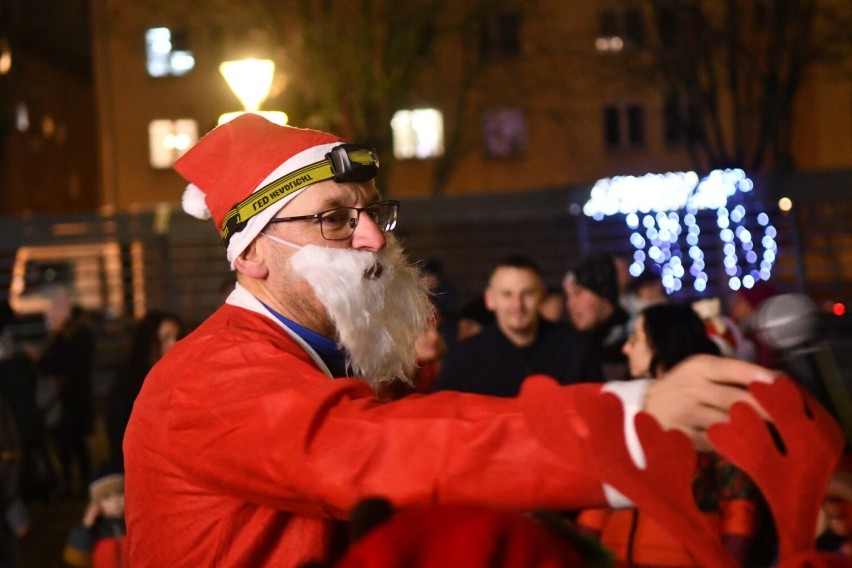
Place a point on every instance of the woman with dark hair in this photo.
(665, 335)
(152, 336)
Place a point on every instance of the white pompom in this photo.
(193, 202)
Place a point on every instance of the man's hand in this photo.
(700, 391)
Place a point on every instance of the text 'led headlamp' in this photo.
(345, 163)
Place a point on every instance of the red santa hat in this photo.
(239, 158)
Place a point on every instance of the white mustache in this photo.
(374, 272)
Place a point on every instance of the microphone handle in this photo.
(827, 382)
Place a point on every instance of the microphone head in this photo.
(787, 320)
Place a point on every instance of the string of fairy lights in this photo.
(663, 213)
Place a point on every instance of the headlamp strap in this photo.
(346, 162)
(272, 193)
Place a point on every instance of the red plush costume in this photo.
(241, 452)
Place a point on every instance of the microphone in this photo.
(790, 323)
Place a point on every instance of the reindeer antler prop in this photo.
(792, 474)
(793, 480)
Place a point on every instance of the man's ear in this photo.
(488, 296)
(251, 263)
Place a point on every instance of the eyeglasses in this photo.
(339, 223)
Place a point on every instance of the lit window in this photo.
(22, 117)
(166, 54)
(505, 133)
(168, 140)
(5, 57)
(418, 133)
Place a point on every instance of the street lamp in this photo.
(250, 80)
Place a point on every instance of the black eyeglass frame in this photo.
(390, 225)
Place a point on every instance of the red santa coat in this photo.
(241, 452)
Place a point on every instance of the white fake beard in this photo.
(378, 302)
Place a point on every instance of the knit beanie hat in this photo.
(251, 155)
(106, 485)
(596, 272)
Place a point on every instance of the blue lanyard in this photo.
(333, 356)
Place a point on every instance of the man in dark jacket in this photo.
(591, 288)
(520, 342)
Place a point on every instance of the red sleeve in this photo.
(264, 426)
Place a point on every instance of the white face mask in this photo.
(378, 302)
(282, 241)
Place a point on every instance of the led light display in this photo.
(662, 213)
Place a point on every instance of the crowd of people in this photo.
(48, 414)
(342, 380)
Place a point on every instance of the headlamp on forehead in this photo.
(353, 162)
(345, 163)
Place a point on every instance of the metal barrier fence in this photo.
(125, 264)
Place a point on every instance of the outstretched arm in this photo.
(700, 391)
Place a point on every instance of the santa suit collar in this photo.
(242, 298)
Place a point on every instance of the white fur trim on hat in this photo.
(242, 239)
(194, 203)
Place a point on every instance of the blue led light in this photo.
(636, 268)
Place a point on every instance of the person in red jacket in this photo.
(99, 541)
(252, 437)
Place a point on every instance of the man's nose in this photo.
(368, 236)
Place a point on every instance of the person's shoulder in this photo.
(562, 331)
(234, 332)
(230, 322)
(489, 336)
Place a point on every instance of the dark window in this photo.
(634, 28)
(624, 126)
(619, 30)
(500, 36)
(612, 127)
(636, 126)
(608, 23)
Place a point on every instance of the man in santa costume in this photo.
(255, 435)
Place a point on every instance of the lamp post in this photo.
(250, 80)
